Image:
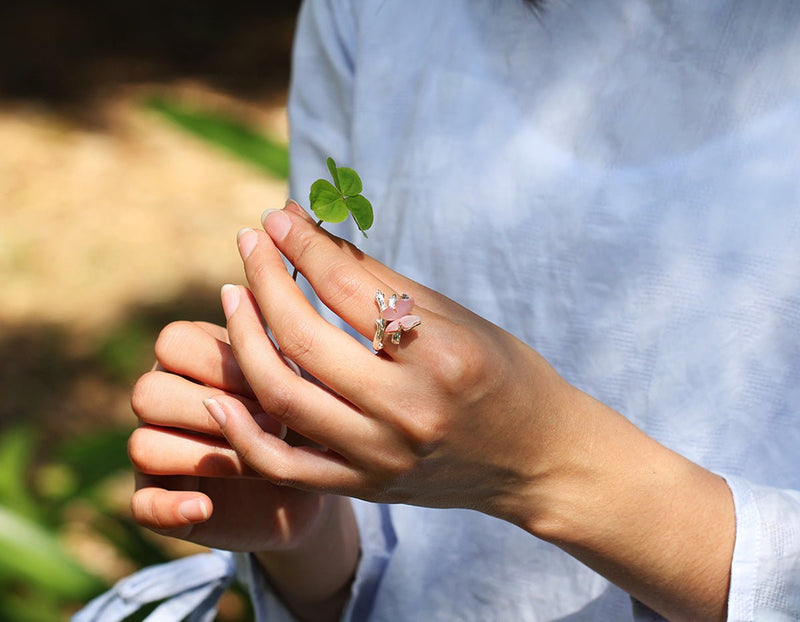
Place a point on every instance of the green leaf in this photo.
(327, 202)
(334, 173)
(350, 182)
(361, 209)
(34, 555)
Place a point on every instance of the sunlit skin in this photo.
(489, 425)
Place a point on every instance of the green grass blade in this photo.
(33, 555)
(226, 133)
(16, 452)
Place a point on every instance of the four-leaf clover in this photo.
(332, 202)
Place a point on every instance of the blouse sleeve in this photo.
(765, 574)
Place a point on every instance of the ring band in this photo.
(395, 318)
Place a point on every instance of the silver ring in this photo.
(395, 318)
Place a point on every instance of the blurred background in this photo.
(136, 139)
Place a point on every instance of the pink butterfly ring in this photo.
(395, 318)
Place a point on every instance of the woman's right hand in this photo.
(190, 484)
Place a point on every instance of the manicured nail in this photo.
(230, 299)
(294, 207)
(267, 212)
(247, 240)
(194, 511)
(215, 410)
(276, 223)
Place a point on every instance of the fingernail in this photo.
(194, 511)
(276, 223)
(294, 207)
(247, 240)
(215, 410)
(230, 299)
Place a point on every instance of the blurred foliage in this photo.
(227, 133)
(64, 469)
(39, 578)
(47, 477)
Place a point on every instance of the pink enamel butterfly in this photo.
(395, 318)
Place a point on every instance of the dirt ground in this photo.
(94, 221)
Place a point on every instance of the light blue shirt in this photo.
(615, 182)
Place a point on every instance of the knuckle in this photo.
(138, 449)
(170, 338)
(345, 285)
(277, 402)
(462, 365)
(140, 508)
(306, 242)
(147, 512)
(424, 434)
(142, 392)
(297, 340)
(256, 273)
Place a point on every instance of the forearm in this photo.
(313, 579)
(652, 522)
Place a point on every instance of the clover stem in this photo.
(294, 273)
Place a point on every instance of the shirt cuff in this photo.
(765, 572)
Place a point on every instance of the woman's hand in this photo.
(192, 485)
(462, 414)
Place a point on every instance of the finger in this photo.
(342, 283)
(301, 405)
(170, 512)
(395, 282)
(291, 317)
(191, 350)
(163, 451)
(164, 399)
(305, 468)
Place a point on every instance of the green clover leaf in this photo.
(327, 202)
(332, 202)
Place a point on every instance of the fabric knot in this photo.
(190, 588)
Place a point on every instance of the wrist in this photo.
(646, 518)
